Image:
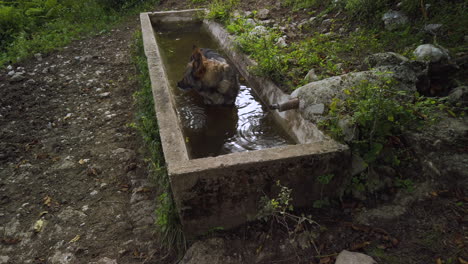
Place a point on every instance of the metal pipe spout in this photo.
(284, 106)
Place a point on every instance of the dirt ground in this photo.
(74, 186)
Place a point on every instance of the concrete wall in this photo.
(225, 191)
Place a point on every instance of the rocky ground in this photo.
(74, 186)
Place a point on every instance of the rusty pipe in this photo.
(284, 106)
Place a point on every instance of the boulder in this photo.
(459, 95)
(311, 76)
(434, 29)
(348, 257)
(212, 251)
(384, 59)
(323, 91)
(394, 19)
(431, 53)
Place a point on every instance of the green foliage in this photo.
(287, 66)
(365, 9)
(31, 26)
(221, 9)
(280, 210)
(300, 4)
(379, 111)
(167, 220)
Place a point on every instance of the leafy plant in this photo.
(221, 9)
(279, 210)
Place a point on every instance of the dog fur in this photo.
(209, 74)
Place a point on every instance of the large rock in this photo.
(263, 13)
(347, 257)
(439, 148)
(211, 251)
(323, 91)
(429, 52)
(394, 19)
(384, 59)
(459, 95)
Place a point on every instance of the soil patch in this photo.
(74, 187)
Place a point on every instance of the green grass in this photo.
(167, 220)
(28, 27)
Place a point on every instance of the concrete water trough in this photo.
(225, 191)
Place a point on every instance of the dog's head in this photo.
(194, 71)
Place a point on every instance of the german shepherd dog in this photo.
(209, 74)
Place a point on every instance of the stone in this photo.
(358, 165)
(281, 42)
(326, 24)
(348, 257)
(250, 21)
(9, 67)
(85, 58)
(433, 29)
(394, 19)
(459, 95)
(17, 77)
(384, 59)
(349, 130)
(259, 31)
(429, 52)
(211, 251)
(263, 14)
(312, 20)
(11, 73)
(62, 258)
(38, 56)
(311, 76)
(106, 260)
(4, 259)
(104, 95)
(248, 14)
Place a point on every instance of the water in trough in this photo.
(214, 130)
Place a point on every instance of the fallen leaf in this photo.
(325, 260)
(83, 161)
(47, 200)
(438, 261)
(76, 238)
(124, 187)
(359, 245)
(462, 261)
(38, 226)
(43, 213)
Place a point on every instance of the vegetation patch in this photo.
(31, 26)
(167, 219)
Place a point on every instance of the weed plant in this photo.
(167, 220)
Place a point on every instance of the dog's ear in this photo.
(198, 68)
